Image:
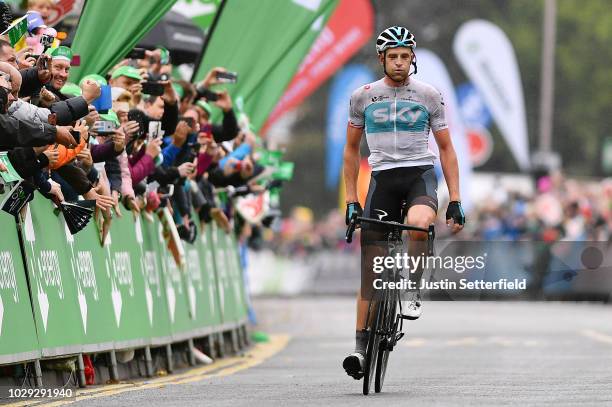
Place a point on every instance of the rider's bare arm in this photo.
(351, 162)
(448, 159)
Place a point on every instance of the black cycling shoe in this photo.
(353, 365)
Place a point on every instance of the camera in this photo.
(142, 119)
(153, 88)
(104, 128)
(136, 53)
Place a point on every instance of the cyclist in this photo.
(396, 113)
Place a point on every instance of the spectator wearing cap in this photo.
(127, 78)
(44, 7)
(61, 58)
(36, 28)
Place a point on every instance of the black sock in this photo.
(361, 341)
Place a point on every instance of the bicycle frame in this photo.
(383, 327)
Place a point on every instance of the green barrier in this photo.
(201, 286)
(18, 341)
(131, 298)
(148, 236)
(60, 310)
(93, 283)
(84, 297)
(229, 277)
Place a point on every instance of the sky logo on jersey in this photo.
(382, 117)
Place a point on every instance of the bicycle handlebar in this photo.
(400, 226)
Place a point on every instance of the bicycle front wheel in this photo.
(373, 345)
(386, 343)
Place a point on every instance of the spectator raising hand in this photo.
(119, 140)
(224, 102)
(153, 148)
(56, 190)
(91, 90)
(64, 137)
(180, 134)
(42, 68)
(52, 155)
(211, 77)
(84, 157)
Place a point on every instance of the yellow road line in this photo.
(468, 340)
(221, 368)
(597, 336)
(413, 342)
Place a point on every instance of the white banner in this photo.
(433, 71)
(487, 57)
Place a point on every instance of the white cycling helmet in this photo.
(394, 37)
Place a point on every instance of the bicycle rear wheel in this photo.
(373, 344)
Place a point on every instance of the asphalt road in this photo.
(458, 353)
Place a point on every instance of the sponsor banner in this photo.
(86, 297)
(95, 282)
(343, 85)
(18, 340)
(151, 251)
(58, 313)
(480, 143)
(122, 265)
(349, 27)
(473, 108)
(432, 70)
(232, 300)
(60, 9)
(486, 55)
(205, 284)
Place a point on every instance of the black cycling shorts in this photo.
(388, 188)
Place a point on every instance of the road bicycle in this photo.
(385, 322)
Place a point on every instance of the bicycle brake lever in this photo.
(351, 229)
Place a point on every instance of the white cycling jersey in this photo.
(397, 121)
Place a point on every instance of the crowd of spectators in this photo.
(146, 152)
(559, 209)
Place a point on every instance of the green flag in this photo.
(264, 42)
(17, 33)
(109, 29)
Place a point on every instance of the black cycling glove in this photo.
(352, 209)
(455, 211)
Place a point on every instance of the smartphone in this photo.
(153, 88)
(76, 60)
(208, 94)
(190, 121)
(76, 135)
(155, 130)
(228, 77)
(137, 53)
